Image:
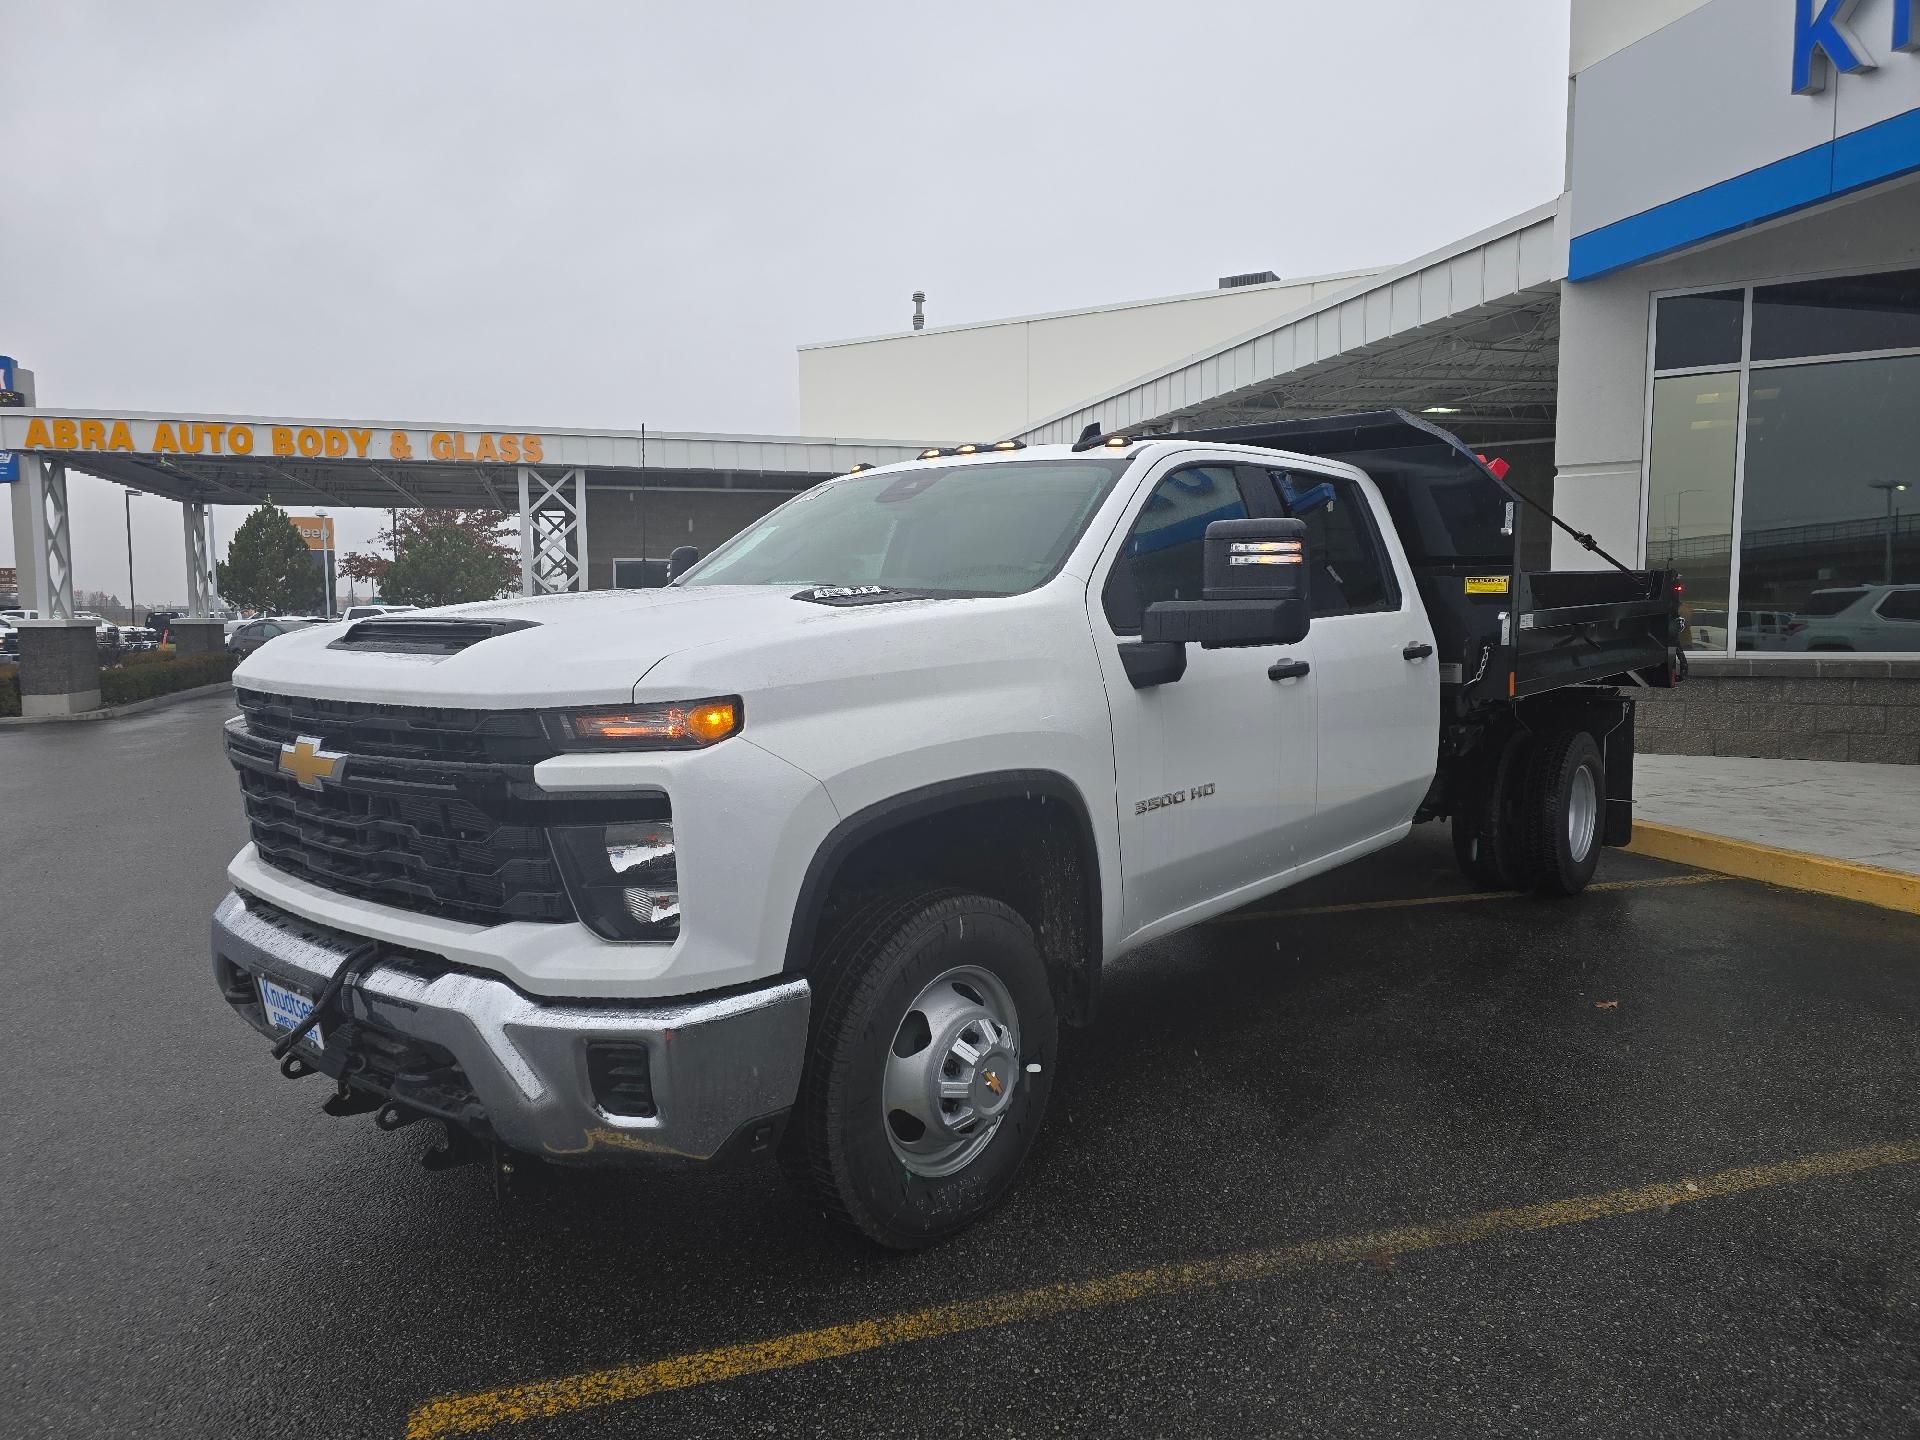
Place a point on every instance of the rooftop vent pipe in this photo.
(919, 310)
(1252, 277)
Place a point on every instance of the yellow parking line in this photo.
(513, 1404)
(1654, 882)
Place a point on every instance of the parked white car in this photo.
(1858, 617)
(368, 611)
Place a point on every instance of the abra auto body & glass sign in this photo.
(308, 442)
(1823, 36)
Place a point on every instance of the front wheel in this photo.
(928, 1068)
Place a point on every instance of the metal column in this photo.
(553, 531)
(202, 584)
(42, 537)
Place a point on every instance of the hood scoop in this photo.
(411, 635)
(857, 594)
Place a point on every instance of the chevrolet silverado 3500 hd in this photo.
(811, 851)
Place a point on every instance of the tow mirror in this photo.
(681, 560)
(1253, 589)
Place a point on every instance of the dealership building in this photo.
(1705, 352)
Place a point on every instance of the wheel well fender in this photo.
(1021, 836)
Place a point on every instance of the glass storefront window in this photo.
(1690, 495)
(1830, 521)
(1697, 330)
(1843, 316)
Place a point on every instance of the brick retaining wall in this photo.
(1803, 708)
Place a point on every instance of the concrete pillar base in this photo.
(59, 667)
(198, 637)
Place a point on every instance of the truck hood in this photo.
(577, 649)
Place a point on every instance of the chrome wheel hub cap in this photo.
(951, 1072)
(1583, 813)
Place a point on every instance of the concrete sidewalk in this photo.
(1867, 814)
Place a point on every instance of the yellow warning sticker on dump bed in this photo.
(1486, 584)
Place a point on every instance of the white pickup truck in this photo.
(811, 852)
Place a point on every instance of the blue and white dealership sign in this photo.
(1739, 112)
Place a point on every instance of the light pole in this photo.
(132, 613)
(1892, 487)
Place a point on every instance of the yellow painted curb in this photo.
(1848, 879)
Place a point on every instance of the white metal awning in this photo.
(1470, 332)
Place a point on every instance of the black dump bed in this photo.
(1503, 632)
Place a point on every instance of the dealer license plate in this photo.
(287, 1008)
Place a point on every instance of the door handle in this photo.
(1416, 651)
(1287, 669)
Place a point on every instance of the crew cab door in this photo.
(1376, 678)
(1215, 769)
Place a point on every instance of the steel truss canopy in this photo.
(245, 459)
(1469, 334)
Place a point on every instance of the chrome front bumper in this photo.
(723, 1071)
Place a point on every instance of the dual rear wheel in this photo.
(1537, 818)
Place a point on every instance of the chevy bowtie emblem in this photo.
(306, 762)
(993, 1082)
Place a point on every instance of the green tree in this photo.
(441, 557)
(269, 568)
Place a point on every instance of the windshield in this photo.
(973, 529)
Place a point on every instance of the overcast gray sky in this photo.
(606, 213)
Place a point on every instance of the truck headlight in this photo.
(624, 878)
(674, 725)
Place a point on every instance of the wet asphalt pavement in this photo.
(191, 1248)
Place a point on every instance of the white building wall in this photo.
(1602, 27)
(980, 382)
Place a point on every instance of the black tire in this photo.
(1565, 764)
(1487, 831)
(838, 1151)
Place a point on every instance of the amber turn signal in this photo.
(678, 725)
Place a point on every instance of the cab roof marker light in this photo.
(931, 453)
(966, 449)
(1009, 445)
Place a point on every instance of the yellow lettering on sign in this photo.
(509, 447)
(163, 441)
(399, 447)
(308, 439)
(37, 437)
(484, 449)
(282, 439)
(93, 435)
(66, 435)
(531, 448)
(359, 439)
(333, 443)
(120, 437)
(240, 439)
(192, 438)
(215, 434)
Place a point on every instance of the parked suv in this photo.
(1858, 617)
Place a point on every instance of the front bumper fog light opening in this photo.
(624, 878)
